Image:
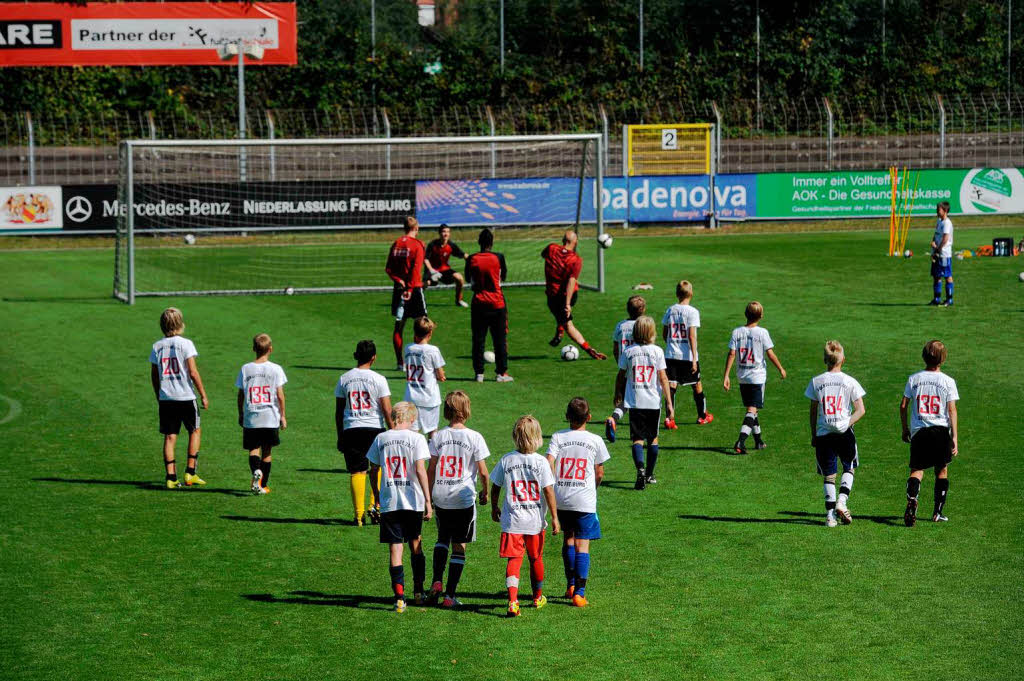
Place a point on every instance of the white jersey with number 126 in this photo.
(678, 320)
(930, 393)
(751, 343)
(642, 364)
(170, 355)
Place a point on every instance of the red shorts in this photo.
(515, 545)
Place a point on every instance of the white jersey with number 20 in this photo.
(170, 355)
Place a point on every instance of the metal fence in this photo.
(781, 135)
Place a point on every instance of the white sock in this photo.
(845, 487)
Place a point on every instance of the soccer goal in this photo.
(223, 217)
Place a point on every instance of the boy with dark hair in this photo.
(488, 313)
(362, 409)
(439, 252)
(679, 330)
(752, 344)
(932, 431)
(174, 374)
(562, 266)
(578, 460)
(622, 338)
(261, 411)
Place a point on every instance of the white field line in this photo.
(13, 409)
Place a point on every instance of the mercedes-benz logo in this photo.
(78, 208)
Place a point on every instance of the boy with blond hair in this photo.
(578, 460)
(175, 380)
(639, 386)
(261, 411)
(679, 327)
(362, 409)
(457, 460)
(837, 402)
(932, 431)
(403, 496)
(424, 367)
(622, 338)
(751, 344)
(526, 478)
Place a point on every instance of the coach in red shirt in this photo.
(562, 266)
(485, 271)
(405, 268)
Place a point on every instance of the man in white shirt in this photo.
(942, 256)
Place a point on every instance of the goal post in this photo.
(235, 217)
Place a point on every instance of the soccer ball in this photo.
(908, 253)
(488, 356)
(570, 353)
(190, 239)
(1021, 276)
(289, 291)
(605, 240)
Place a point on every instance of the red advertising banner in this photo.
(143, 33)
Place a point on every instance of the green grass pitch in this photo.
(723, 570)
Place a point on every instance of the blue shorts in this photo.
(581, 525)
(942, 268)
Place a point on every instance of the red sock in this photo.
(537, 576)
(586, 345)
(512, 577)
(396, 340)
(561, 329)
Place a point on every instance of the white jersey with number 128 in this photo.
(421, 360)
(575, 453)
(751, 343)
(642, 364)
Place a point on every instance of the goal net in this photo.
(317, 216)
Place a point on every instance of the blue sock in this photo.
(937, 289)
(638, 455)
(652, 458)
(569, 561)
(582, 572)
(949, 290)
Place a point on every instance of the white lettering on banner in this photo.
(676, 196)
(355, 205)
(15, 34)
(170, 34)
(164, 208)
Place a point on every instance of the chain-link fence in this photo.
(773, 135)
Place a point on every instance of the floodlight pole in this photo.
(641, 22)
(501, 36)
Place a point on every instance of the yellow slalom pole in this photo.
(910, 212)
(892, 210)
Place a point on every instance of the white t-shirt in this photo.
(944, 226)
(523, 477)
(576, 452)
(421, 359)
(679, 319)
(457, 451)
(362, 390)
(623, 335)
(259, 382)
(835, 393)
(169, 354)
(751, 344)
(642, 364)
(930, 393)
(396, 452)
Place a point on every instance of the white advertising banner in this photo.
(36, 207)
(170, 34)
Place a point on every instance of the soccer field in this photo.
(723, 570)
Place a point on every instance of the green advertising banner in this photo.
(862, 194)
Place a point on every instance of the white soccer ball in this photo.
(908, 253)
(190, 239)
(289, 291)
(488, 356)
(570, 353)
(605, 240)
(1021, 276)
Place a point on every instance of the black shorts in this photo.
(258, 438)
(399, 527)
(834, 447)
(447, 277)
(644, 424)
(931, 447)
(414, 308)
(682, 371)
(752, 394)
(456, 525)
(354, 444)
(557, 306)
(174, 414)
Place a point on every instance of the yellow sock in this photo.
(378, 479)
(358, 484)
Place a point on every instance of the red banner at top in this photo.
(143, 33)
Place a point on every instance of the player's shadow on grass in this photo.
(718, 450)
(894, 520)
(872, 304)
(148, 485)
(733, 519)
(383, 603)
(514, 358)
(317, 366)
(321, 470)
(290, 521)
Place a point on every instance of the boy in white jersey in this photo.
(457, 460)
(362, 409)
(640, 385)
(623, 338)
(261, 410)
(679, 330)
(837, 402)
(578, 460)
(749, 346)
(932, 431)
(403, 495)
(526, 478)
(942, 255)
(424, 367)
(173, 373)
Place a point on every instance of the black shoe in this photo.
(374, 514)
(739, 447)
(935, 301)
(609, 429)
(554, 342)
(910, 515)
(760, 444)
(948, 303)
(651, 480)
(641, 479)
